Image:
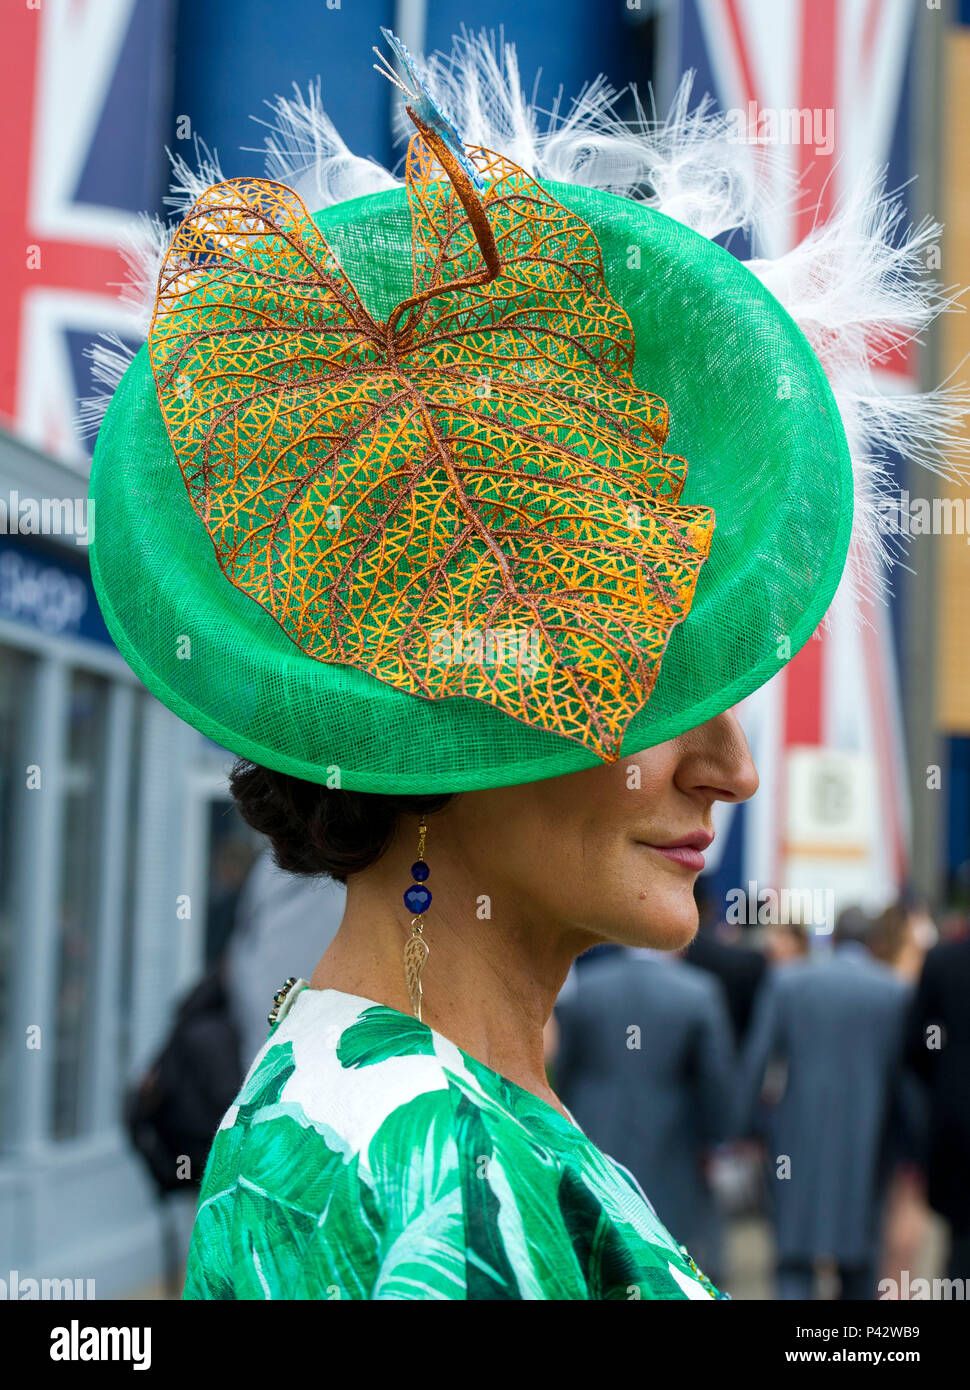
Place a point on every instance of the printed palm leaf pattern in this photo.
(489, 1271)
(470, 498)
(611, 1266)
(412, 1163)
(564, 1230)
(380, 1033)
(282, 1211)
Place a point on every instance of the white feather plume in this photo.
(688, 164)
(143, 246)
(304, 150)
(190, 180)
(110, 357)
(857, 287)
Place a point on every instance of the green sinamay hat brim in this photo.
(750, 409)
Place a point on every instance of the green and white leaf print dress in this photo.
(368, 1157)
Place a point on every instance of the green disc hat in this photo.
(385, 502)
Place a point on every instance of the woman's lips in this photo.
(686, 851)
(681, 854)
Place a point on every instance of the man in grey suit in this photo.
(836, 1025)
(644, 1063)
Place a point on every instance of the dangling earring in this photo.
(417, 899)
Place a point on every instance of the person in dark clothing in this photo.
(938, 1050)
(645, 1064)
(837, 1025)
(739, 969)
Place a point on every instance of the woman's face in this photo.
(612, 852)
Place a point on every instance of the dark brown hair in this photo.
(321, 830)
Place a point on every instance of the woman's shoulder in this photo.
(338, 1067)
(342, 1134)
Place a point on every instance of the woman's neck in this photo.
(492, 975)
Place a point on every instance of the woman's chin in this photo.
(674, 936)
(669, 925)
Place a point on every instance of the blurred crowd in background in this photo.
(797, 1108)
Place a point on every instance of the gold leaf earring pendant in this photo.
(417, 900)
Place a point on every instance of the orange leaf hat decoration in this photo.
(468, 499)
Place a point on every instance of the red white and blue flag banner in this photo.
(84, 100)
(828, 83)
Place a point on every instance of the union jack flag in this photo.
(847, 63)
(83, 102)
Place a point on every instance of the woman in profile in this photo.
(384, 508)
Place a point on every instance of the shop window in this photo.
(82, 784)
(126, 973)
(16, 676)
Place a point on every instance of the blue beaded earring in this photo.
(417, 900)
